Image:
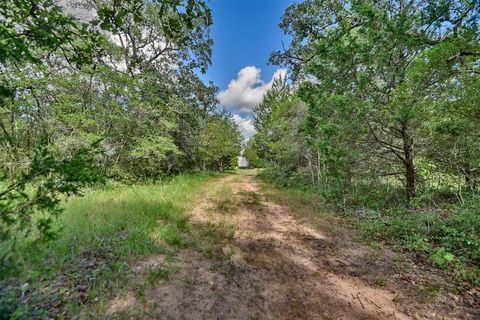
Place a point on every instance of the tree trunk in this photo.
(319, 168)
(470, 181)
(408, 162)
(310, 169)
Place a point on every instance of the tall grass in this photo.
(102, 233)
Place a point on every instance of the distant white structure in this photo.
(243, 162)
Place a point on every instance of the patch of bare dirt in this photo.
(276, 266)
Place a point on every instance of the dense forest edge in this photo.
(108, 137)
(381, 118)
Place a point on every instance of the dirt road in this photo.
(257, 259)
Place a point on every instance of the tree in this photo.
(157, 34)
(125, 77)
(364, 50)
(220, 143)
(278, 120)
(451, 132)
(30, 32)
(335, 138)
(250, 152)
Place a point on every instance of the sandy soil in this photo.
(274, 266)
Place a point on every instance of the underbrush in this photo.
(440, 231)
(447, 237)
(101, 233)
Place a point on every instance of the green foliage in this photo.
(277, 120)
(219, 143)
(182, 25)
(30, 203)
(30, 32)
(28, 29)
(116, 96)
(450, 237)
(11, 306)
(68, 83)
(442, 257)
(140, 96)
(152, 153)
(251, 155)
(156, 274)
(379, 71)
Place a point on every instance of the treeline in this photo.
(103, 89)
(382, 112)
(382, 89)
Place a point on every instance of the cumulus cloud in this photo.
(245, 126)
(247, 90)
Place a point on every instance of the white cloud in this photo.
(245, 126)
(79, 10)
(247, 90)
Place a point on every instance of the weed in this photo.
(251, 198)
(397, 298)
(381, 281)
(225, 206)
(188, 281)
(155, 274)
(169, 234)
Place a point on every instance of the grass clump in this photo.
(170, 234)
(154, 275)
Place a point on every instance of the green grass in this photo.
(156, 274)
(102, 233)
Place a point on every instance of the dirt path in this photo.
(256, 260)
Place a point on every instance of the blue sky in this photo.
(244, 32)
